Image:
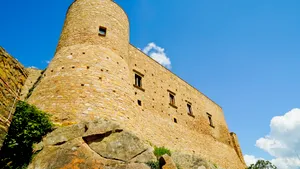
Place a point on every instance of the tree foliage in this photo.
(28, 126)
(262, 164)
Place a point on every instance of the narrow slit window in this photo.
(138, 81)
(102, 31)
(139, 102)
(189, 109)
(210, 120)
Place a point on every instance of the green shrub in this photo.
(153, 164)
(28, 126)
(159, 151)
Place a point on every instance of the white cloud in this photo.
(250, 159)
(286, 163)
(32, 67)
(47, 61)
(283, 141)
(158, 54)
(280, 163)
(284, 138)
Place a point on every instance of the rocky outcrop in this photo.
(99, 144)
(187, 161)
(102, 144)
(12, 79)
(167, 162)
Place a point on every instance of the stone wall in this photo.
(158, 81)
(84, 17)
(191, 134)
(236, 146)
(89, 73)
(33, 75)
(12, 78)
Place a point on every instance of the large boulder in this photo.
(99, 144)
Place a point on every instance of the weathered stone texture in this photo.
(82, 24)
(192, 135)
(115, 148)
(167, 162)
(12, 78)
(92, 77)
(192, 162)
(33, 75)
(236, 146)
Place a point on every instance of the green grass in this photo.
(153, 164)
(160, 151)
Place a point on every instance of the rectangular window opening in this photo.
(138, 78)
(138, 81)
(210, 120)
(102, 31)
(172, 99)
(189, 107)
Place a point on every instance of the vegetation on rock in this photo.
(159, 151)
(261, 164)
(28, 126)
(153, 164)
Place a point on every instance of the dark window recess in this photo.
(139, 103)
(138, 78)
(175, 120)
(102, 31)
(210, 120)
(138, 81)
(189, 109)
(172, 99)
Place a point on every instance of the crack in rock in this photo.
(98, 137)
(138, 154)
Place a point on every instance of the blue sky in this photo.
(243, 54)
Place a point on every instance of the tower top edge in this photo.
(113, 1)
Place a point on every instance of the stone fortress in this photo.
(97, 73)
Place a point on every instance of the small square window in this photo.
(102, 31)
(138, 81)
(210, 120)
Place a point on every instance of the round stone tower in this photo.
(89, 76)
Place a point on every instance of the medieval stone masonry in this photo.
(97, 73)
(12, 78)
